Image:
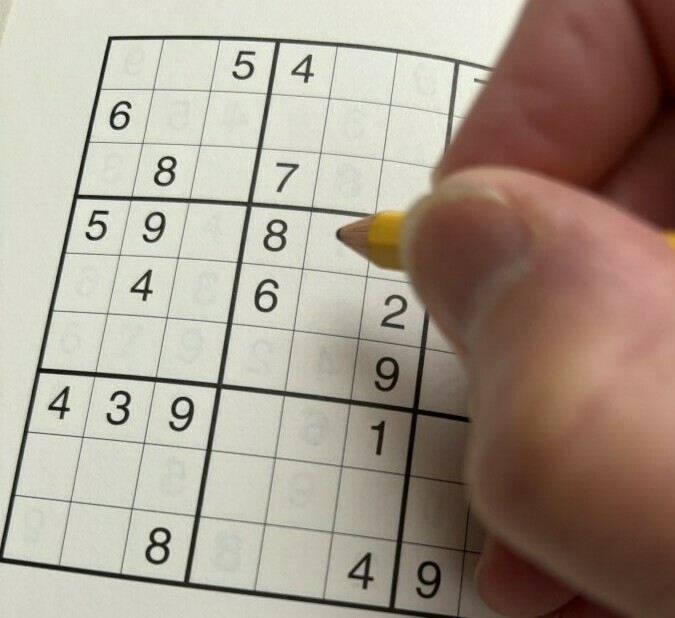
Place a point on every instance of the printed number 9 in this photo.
(434, 581)
(157, 229)
(186, 416)
(390, 376)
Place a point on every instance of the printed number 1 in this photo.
(380, 436)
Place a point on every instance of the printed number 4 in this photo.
(361, 571)
(142, 286)
(304, 69)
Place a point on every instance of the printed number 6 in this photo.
(119, 118)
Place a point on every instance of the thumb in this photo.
(563, 308)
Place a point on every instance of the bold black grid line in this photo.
(453, 99)
(260, 94)
(52, 303)
(256, 205)
(464, 552)
(275, 149)
(295, 321)
(282, 41)
(409, 461)
(418, 386)
(214, 588)
(228, 332)
(220, 385)
(261, 391)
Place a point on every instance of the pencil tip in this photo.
(355, 235)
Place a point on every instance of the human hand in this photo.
(561, 297)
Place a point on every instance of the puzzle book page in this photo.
(208, 404)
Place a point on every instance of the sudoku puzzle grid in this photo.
(226, 397)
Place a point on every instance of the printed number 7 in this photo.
(292, 168)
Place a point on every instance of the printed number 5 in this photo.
(94, 222)
(240, 62)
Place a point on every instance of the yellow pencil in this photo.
(377, 238)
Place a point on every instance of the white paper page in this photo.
(228, 414)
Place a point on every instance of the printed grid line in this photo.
(258, 390)
(218, 588)
(220, 384)
(260, 94)
(290, 355)
(254, 324)
(256, 205)
(50, 312)
(130, 510)
(98, 358)
(228, 332)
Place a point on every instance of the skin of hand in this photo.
(538, 254)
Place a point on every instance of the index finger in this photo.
(577, 85)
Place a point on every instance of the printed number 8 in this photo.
(166, 171)
(162, 545)
(275, 240)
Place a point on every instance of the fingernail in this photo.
(464, 245)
